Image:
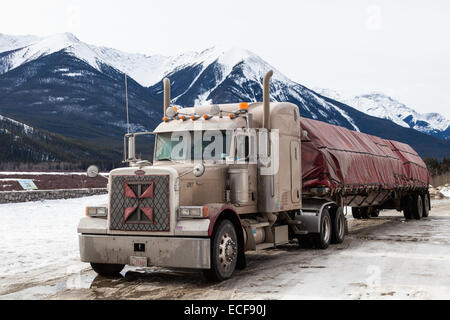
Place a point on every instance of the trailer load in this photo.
(339, 158)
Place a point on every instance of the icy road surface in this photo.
(381, 258)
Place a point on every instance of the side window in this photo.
(242, 148)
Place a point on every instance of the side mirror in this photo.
(92, 171)
(199, 170)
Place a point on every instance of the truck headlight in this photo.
(193, 212)
(96, 211)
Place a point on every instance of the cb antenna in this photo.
(126, 103)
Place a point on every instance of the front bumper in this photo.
(175, 252)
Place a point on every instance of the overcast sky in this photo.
(401, 48)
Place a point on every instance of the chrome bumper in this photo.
(160, 251)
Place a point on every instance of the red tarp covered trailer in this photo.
(337, 157)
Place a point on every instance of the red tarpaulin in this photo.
(336, 157)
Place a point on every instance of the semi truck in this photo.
(226, 179)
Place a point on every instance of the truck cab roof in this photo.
(283, 116)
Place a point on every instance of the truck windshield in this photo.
(199, 145)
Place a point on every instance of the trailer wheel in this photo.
(374, 212)
(407, 207)
(224, 249)
(365, 213)
(322, 239)
(417, 211)
(338, 226)
(107, 270)
(356, 213)
(426, 205)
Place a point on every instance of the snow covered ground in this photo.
(445, 191)
(39, 240)
(381, 258)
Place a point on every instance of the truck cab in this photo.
(224, 179)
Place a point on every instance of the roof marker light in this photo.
(243, 106)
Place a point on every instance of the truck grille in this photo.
(140, 203)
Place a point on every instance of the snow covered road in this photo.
(382, 258)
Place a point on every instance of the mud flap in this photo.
(241, 262)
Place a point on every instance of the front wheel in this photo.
(322, 239)
(107, 270)
(224, 249)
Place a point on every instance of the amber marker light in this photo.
(165, 119)
(231, 116)
(183, 118)
(205, 212)
(243, 106)
(192, 117)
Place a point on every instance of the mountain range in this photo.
(75, 91)
(380, 105)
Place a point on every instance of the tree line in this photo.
(437, 167)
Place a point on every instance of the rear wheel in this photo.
(408, 207)
(338, 226)
(356, 213)
(374, 212)
(322, 239)
(417, 211)
(224, 251)
(364, 213)
(426, 205)
(107, 270)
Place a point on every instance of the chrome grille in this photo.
(151, 206)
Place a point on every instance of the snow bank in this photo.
(36, 235)
(445, 192)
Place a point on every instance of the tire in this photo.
(338, 226)
(407, 207)
(365, 213)
(374, 212)
(305, 242)
(417, 211)
(224, 252)
(107, 270)
(356, 213)
(426, 205)
(322, 239)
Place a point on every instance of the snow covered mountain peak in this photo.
(8, 43)
(380, 105)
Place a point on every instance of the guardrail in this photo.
(37, 195)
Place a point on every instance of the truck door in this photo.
(296, 177)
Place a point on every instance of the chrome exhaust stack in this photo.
(266, 99)
(166, 95)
